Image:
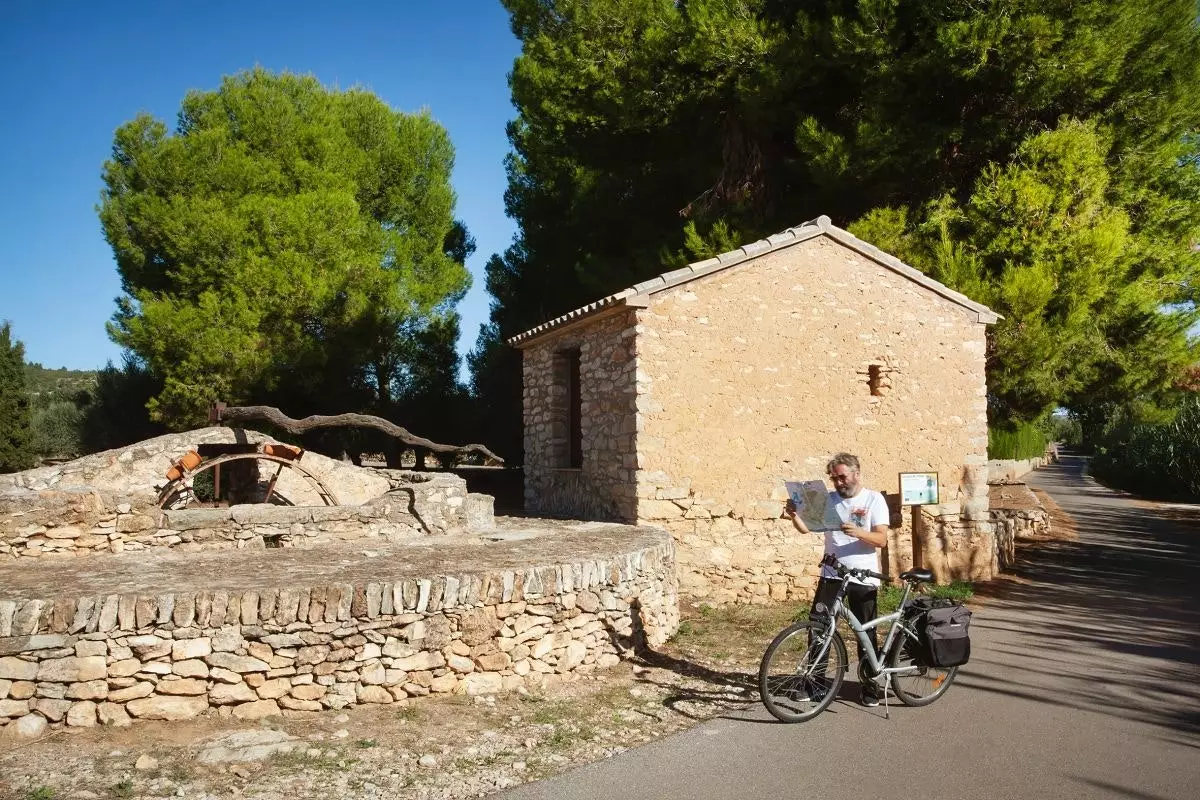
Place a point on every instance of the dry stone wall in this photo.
(602, 487)
(1016, 514)
(132, 475)
(65, 522)
(109, 659)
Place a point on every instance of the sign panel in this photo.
(918, 488)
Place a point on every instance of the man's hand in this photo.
(850, 529)
(789, 511)
(877, 537)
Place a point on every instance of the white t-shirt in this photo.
(866, 510)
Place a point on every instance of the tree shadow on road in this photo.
(1109, 623)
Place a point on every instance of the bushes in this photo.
(1022, 440)
(1157, 460)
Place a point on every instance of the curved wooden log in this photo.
(238, 414)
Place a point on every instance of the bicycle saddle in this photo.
(917, 575)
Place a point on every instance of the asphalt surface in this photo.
(1083, 683)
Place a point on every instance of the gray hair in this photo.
(842, 459)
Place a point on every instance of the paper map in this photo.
(811, 499)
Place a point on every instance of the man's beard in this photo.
(847, 491)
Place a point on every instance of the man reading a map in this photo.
(864, 529)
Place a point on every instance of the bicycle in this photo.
(804, 666)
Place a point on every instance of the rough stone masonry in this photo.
(180, 635)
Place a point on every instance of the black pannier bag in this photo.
(943, 627)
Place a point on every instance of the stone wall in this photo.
(1012, 470)
(113, 658)
(77, 524)
(1016, 514)
(132, 475)
(603, 486)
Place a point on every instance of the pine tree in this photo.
(16, 451)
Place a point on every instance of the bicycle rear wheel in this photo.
(795, 680)
(921, 684)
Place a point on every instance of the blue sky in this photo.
(73, 72)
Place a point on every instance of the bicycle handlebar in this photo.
(831, 561)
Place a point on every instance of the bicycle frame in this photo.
(862, 631)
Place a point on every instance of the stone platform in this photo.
(171, 635)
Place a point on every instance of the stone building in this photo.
(685, 402)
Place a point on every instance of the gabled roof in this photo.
(639, 294)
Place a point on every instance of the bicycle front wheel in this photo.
(802, 671)
(918, 685)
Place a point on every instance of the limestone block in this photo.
(660, 509)
(30, 726)
(227, 694)
(313, 654)
(156, 668)
(274, 688)
(374, 674)
(308, 692)
(295, 704)
(236, 663)
(189, 686)
(82, 714)
(85, 648)
(549, 643)
(17, 669)
(573, 657)
(228, 639)
(373, 694)
(140, 689)
(113, 714)
(444, 683)
(260, 651)
(72, 669)
(88, 690)
(187, 649)
(478, 683)
(224, 675)
(493, 662)
(167, 707)
(124, 668)
(149, 646)
(52, 709)
(424, 660)
(193, 668)
(478, 625)
(14, 708)
(283, 640)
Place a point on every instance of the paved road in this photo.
(1083, 684)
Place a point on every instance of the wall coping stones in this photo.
(538, 548)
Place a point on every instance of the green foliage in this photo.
(121, 789)
(50, 385)
(282, 245)
(57, 429)
(1020, 440)
(653, 132)
(1063, 428)
(1044, 242)
(16, 451)
(116, 413)
(1157, 460)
